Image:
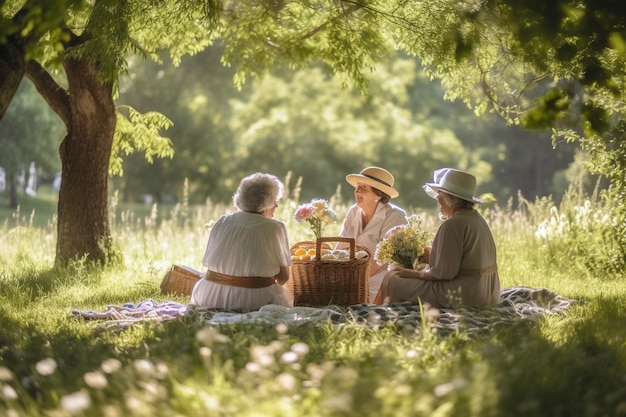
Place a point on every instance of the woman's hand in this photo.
(283, 275)
(400, 270)
(406, 272)
(425, 258)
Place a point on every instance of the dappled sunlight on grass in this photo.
(55, 364)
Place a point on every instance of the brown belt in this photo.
(243, 282)
(475, 273)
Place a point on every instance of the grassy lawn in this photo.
(55, 364)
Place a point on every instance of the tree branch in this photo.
(56, 96)
(346, 12)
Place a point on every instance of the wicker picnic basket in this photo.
(321, 282)
(180, 280)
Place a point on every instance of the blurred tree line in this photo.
(301, 122)
(554, 66)
(30, 132)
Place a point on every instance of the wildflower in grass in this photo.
(134, 404)
(253, 367)
(318, 214)
(262, 355)
(317, 372)
(153, 391)
(287, 381)
(289, 357)
(209, 335)
(582, 234)
(76, 402)
(300, 348)
(110, 366)
(161, 370)
(46, 367)
(205, 352)
(403, 244)
(281, 328)
(144, 367)
(95, 380)
(444, 389)
(5, 374)
(9, 393)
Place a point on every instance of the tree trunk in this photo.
(12, 188)
(83, 222)
(12, 67)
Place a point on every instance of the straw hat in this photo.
(375, 177)
(460, 184)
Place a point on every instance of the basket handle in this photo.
(318, 245)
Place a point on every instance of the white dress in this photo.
(247, 245)
(386, 217)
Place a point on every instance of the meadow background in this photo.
(54, 364)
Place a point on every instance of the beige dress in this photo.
(463, 264)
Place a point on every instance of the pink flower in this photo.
(317, 213)
(393, 230)
(305, 212)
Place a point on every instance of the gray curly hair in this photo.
(456, 202)
(258, 192)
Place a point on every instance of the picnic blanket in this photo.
(517, 304)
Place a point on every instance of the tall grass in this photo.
(54, 364)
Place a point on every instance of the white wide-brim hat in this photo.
(375, 177)
(458, 183)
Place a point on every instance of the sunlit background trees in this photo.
(527, 96)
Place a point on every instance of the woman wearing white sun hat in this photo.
(372, 215)
(463, 269)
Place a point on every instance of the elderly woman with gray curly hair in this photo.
(247, 254)
(463, 269)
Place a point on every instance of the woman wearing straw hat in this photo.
(372, 215)
(463, 269)
(247, 254)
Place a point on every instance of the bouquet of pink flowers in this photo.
(403, 244)
(318, 214)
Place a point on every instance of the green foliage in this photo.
(139, 133)
(552, 108)
(301, 123)
(34, 19)
(582, 237)
(496, 56)
(263, 35)
(544, 65)
(607, 156)
(108, 31)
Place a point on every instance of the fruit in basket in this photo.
(341, 254)
(304, 254)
